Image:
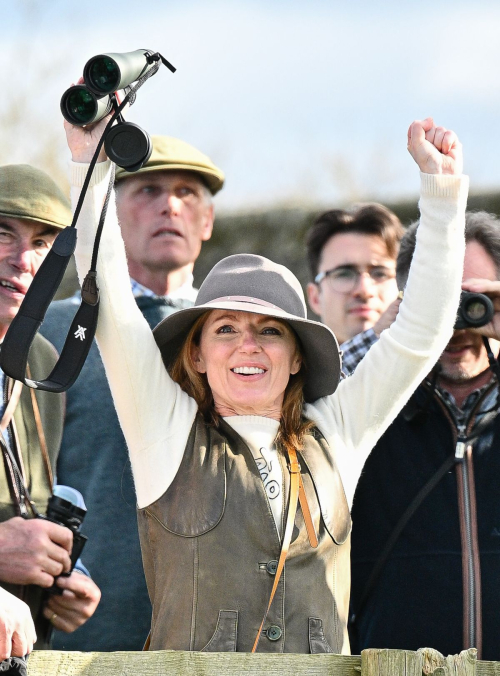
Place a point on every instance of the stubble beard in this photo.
(456, 376)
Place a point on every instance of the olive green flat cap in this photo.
(171, 154)
(28, 193)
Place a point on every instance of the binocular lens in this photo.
(476, 311)
(81, 105)
(103, 75)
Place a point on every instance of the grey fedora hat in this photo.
(250, 283)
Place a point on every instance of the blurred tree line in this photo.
(280, 234)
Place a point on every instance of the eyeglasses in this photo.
(345, 278)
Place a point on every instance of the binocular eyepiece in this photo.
(103, 75)
(80, 106)
(474, 310)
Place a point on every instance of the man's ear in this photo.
(208, 225)
(313, 298)
(197, 359)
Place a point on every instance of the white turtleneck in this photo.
(259, 434)
(156, 415)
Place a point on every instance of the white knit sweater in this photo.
(156, 415)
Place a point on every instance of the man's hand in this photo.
(77, 603)
(17, 631)
(436, 150)
(491, 289)
(82, 141)
(387, 317)
(33, 551)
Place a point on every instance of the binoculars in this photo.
(126, 144)
(103, 75)
(65, 512)
(474, 310)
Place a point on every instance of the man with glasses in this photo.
(352, 257)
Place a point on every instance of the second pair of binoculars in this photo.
(103, 75)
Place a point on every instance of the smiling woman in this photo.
(245, 448)
(247, 360)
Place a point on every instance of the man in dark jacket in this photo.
(33, 552)
(426, 513)
(165, 212)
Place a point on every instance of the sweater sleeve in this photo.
(146, 399)
(364, 405)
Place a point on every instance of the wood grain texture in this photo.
(424, 662)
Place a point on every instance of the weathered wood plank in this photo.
(375, 662)
(488, 668)
(372, 663)
(173, 663)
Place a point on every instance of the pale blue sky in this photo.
(298, 102)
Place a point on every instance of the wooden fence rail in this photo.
(172, 663)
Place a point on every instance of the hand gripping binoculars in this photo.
(127, 145)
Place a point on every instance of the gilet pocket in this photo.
(225, 634)
(317, 640)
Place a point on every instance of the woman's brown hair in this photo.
(293, 425)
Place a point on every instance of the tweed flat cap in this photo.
(173, 154)
(26, 192)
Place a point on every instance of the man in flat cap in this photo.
(166, 213)
(33, 552)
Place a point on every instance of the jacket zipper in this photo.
(469, 554)
(460, 433)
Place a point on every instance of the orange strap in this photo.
(296, 493)
(306, 513)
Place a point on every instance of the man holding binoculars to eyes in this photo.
(426, 513)
(33, 551)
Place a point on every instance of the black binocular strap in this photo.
(25, 325)
(27, 322)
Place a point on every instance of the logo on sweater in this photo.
(271, 486)
(80, 332)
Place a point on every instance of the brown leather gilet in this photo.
(210, 545)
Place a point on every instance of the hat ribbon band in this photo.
(244, 299)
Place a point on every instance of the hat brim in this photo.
(319, 345)
(213, 180)
(29, 217)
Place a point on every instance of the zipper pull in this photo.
(461, 444)
(22, 508)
